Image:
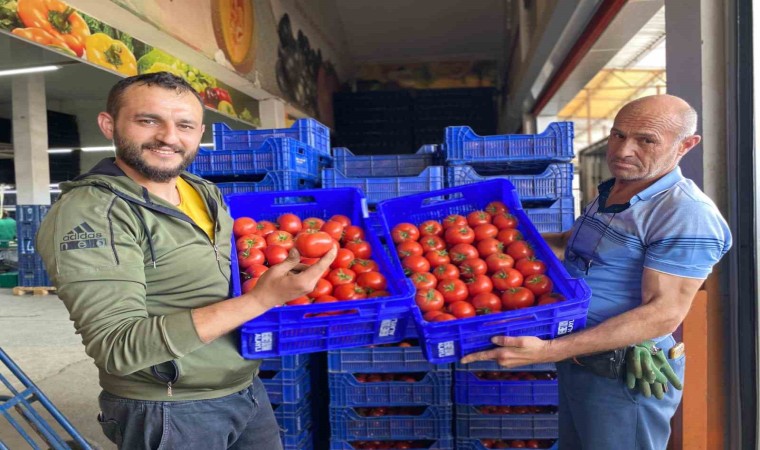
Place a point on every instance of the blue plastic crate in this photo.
(449, 341)
(283, 388)
(306, 442)
(28, 219)
(440, 444)
(384, 188)
(433, 389)
(272, 182)
(307, 131)
(31, 271)
(289, 362)
(471, 390)
(294, 418)
(407, 165)
(555, 218)
(554, 182)
(471, 423)
(476, 444)
(433, 423)
(381, 360)
(293, 329)
(493, 366)
(31, 213)
(463, 146)
(276, 154)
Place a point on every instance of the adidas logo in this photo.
(82, 236)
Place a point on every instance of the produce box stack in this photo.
(382, 177)
(537, 165)
(389, 397)
(31, 270)
(284, 159)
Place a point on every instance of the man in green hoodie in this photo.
(139, 250)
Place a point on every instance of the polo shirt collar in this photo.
(658, 187)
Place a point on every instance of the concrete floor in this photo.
(35, 331)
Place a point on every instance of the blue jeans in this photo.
(243, 420)
(597, 413)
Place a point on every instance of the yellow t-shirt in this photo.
(191, 203)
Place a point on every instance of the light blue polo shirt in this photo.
(670, 227)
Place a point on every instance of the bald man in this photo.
(644, 246)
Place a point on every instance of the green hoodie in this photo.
(129, 267)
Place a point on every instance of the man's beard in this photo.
(131, 153)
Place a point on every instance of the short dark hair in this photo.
(164, 80)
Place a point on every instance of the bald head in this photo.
(675, 110)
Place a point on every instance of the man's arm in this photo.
(557, 242)
(666, 300)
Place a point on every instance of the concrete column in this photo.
(272, 113)
(30, 140)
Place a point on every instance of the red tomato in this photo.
(349, 291)
(243, 226)
(342, 219)
(517, 444)
(446, 272)
(538, 284)
(431, 315)
(489, 246)
(530, 266)
(532, 444)
(509, 235)
(415, 264)
(552, 297)
(323, 287)
(429, 300)
(281, 238)
(409, 248)
(516, 298)
(343, 259)
(454, 220)
(290, 222)
(275, 254)
(472, 267)
(352, 233)
(496, 207)
(250, 241)
(486, 303)
(443, 317)
(432, 243)
(484, 231)
(380, 293)
(256, 270)
(341, 276)
(424, 280)
(334, 229)
(519, 250)
(460, 235)
(314, 245)
(431, 228)
(405, 232)
(371, 280)
(506, 278)
(249, 257)
(504, 220)
(248, 285)
(479, 284)
(462, 252)
(437, 257)
(499, 261)
(299, 301)
(313, 223)
(476, 218)
(453, 290)
(361, 248)
(462, 310)
(265, 227)
(363, 266)
(325, 299)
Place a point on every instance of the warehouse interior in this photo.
(499, 66)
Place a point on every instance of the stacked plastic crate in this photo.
(265, 160)
(389, 397)
(31, 270)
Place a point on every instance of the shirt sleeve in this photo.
(687, 240)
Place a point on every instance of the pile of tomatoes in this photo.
(472, 265)
(501, 410)
(390, 445)
(496, 375)
(353, 275)
(517, 443)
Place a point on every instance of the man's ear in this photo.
(688, 143)
(106, 124)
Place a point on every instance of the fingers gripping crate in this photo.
(449, 341)
(470, 389)
(384, 165)
(383, 188)
(382, 360)
(301, 329)
(463, 146)
(307, 131)
(433, 423)
(554, 182)
(493, 366)
(432, 388)
(472, 423)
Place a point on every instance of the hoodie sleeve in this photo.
(92, 246)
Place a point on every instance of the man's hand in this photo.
(648, 370)
(514, 352)
(290, 279)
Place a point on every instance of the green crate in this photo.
(8, 279)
